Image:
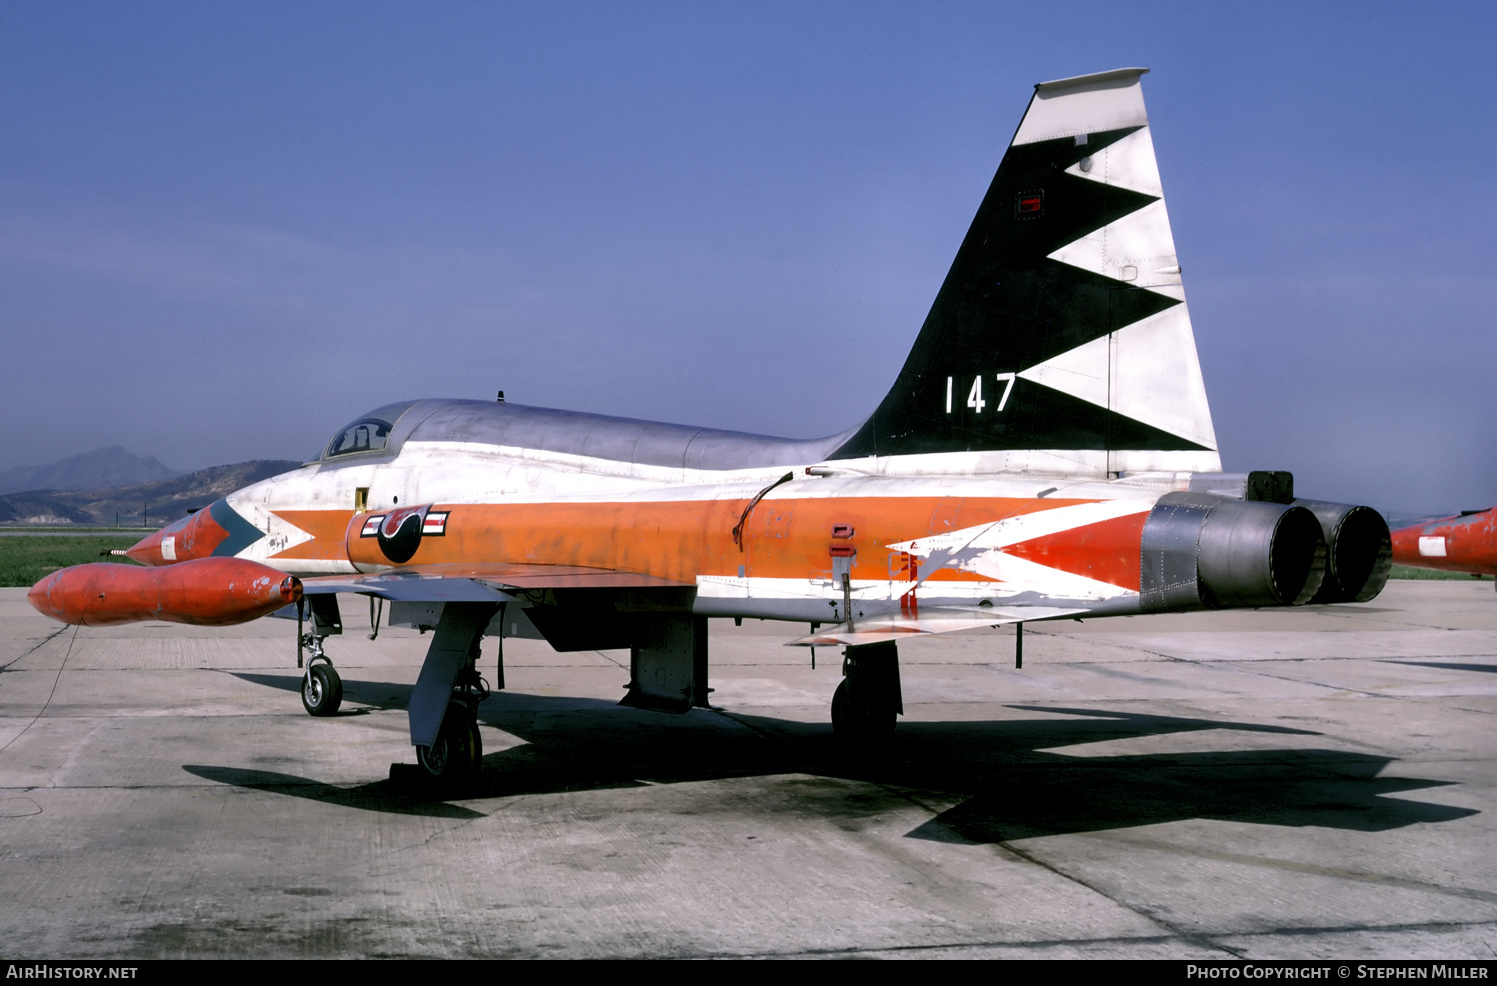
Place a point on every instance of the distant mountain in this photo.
(156, 503)
(100, 468)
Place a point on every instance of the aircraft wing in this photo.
(407, 588)
(478, 582)
(881, 628)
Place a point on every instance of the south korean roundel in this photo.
(399, 532)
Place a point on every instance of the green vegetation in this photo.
(24, 559)
(139, 532)
(1409, 572)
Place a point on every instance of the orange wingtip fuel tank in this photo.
(203, 592)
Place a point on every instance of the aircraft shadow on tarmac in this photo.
(382, 796)
(1010, 781)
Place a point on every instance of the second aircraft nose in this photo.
(215, 530)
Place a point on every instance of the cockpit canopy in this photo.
(384, 431)
(367, 433)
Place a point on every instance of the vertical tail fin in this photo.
(1060, 340)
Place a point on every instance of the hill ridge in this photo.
(151, 503)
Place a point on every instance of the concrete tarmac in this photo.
(1299, 783)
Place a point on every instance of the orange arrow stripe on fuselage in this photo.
(680, 540)
(325, 526)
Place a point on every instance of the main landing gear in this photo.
(455, 757)
(444, 703)
(867, 701)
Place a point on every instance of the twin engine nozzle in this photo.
(1202, 550)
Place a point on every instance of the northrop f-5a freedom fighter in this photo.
(1046, 452)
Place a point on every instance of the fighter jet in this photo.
(1464, 543)
(1046, 452)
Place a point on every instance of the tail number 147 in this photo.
(974, 396)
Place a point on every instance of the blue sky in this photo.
(227, 228)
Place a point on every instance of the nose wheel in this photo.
(321, 689)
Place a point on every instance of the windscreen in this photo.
(367, 433)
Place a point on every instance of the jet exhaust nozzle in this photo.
(202, 592)
(1204, 551)
(1359, 551)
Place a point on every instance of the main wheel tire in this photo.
(322, 690)
(841, 710)
(857, 719)
(457, 754)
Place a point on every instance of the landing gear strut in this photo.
(867, 701)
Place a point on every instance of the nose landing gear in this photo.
(321, 687)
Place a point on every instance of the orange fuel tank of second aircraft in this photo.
(203, 592)
(1467, 543)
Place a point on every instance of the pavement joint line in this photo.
(1132, 647)
(1334, 689)
(77, 752)
(1342, 929)
(614, 661)
(1484, 896)
(1200, 941)
(873, 949)
(1482, 712)
(40, 644)
(436, 833)
(756, 730)
(1122, 940)
(50, 694)
(1405, 624)
(1033, 859)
